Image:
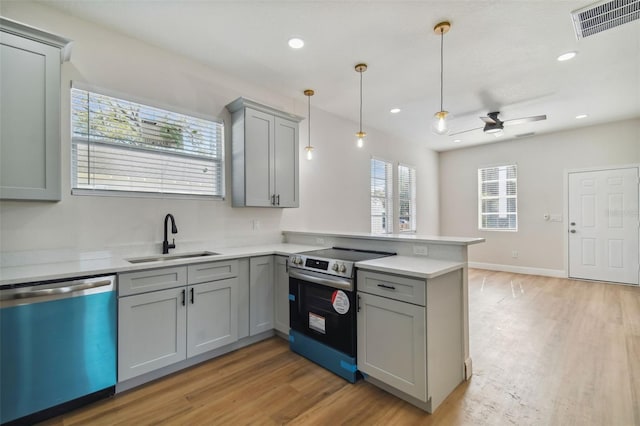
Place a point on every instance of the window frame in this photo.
(413, 225)
(388, 197)
(218, 160)
(505, 196)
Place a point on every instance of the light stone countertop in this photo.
(413, 266)
(415, 238)
(10, 275)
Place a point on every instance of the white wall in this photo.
(334, 189)
(335, 185)
(542, 161)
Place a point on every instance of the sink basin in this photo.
(166, 257)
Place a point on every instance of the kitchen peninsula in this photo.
(427, 311)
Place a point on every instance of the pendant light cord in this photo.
(441, 66)
(309, 122)
(361, 101)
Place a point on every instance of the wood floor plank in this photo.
(546, 351)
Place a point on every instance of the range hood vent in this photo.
(603, 16)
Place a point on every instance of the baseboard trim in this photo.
(555, 273)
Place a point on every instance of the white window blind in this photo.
(381, 197)
(119, 145)
(407, 198)
(497, 198)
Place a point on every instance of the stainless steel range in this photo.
(322, 306)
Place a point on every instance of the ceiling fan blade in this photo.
(488, 120)
(465, 131)
(516, 121)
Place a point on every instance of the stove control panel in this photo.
(328, 266)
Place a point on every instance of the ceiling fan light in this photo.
(440, 125)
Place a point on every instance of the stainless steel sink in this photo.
(166, 257)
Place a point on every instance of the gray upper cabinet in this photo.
(264, 155)
(30, 112)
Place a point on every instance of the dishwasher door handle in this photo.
(56, 290)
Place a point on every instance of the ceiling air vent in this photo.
(604, 15)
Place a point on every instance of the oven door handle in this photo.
(328, 282)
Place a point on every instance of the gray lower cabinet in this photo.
(167, 315)
(30, 104)
(281, 300)
(212, 320)
(410, 335)
(260, 294)
(392, 343)
(151, 331)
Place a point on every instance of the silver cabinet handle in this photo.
(56, 290)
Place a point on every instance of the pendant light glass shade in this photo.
(440, 125)
(360, 68)
(309, 93)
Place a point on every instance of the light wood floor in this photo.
(545, 351)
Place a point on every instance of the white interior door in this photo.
(603, 225)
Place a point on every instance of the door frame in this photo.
(565, 220)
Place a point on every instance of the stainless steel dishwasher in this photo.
(57, 346)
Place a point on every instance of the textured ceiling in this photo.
(499, 55)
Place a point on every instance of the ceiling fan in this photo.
(492, 124)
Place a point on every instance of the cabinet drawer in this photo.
(151, 280)
(212, 271)
(405, 289)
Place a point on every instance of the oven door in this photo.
(323, 308)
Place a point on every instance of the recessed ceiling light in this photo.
(457, 140)
(567, 56)
(296, 43)
(395, 110)
(581, 116)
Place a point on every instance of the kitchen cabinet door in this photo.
(212, 315)
(260, 294)
(392, 343)
(286, 163)
(151, 331)
(264, 153)
(30, 119)
(259, 158)
(281, 302)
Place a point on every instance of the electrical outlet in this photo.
(421, 250)
(320, 241)
(255, 224)
(514, 254)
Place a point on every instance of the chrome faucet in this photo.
(165, 244)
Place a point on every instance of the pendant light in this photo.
(440, 126)
(360, 68)
(309, 93)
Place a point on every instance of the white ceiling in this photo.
(500, 55)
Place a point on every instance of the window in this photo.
(122, 147)
(381, 197)
(497, 198)
(407, 198)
